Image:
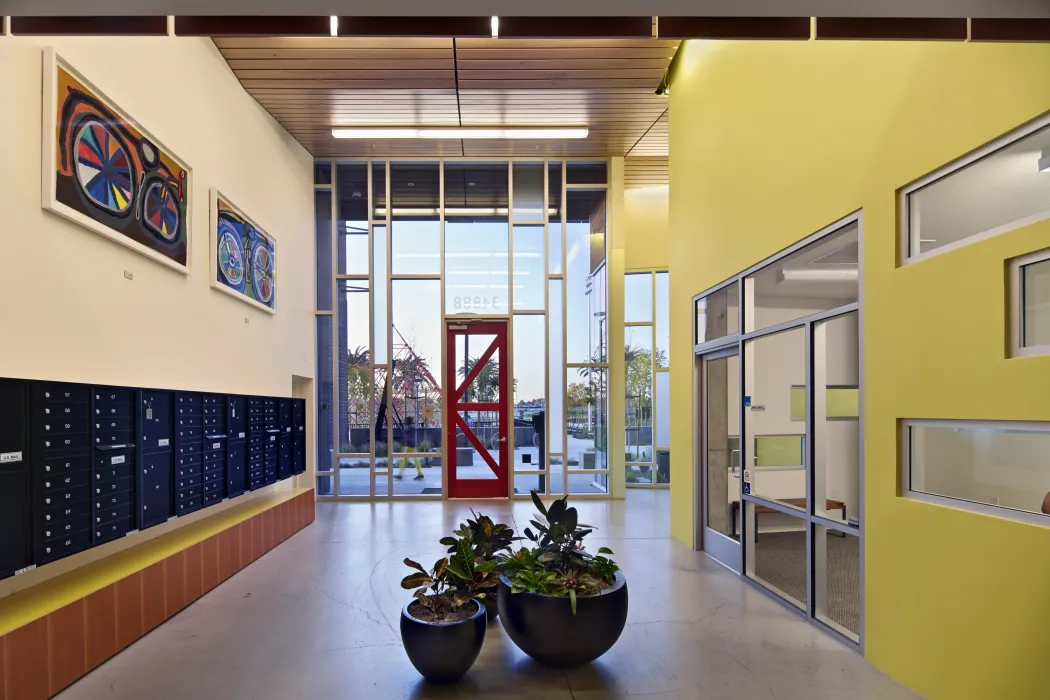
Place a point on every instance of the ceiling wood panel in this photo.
(312, 84)
(645, 172)
(654, 141)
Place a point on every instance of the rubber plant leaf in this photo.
(539, 503)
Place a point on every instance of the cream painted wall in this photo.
(67, 311)
(646, 227)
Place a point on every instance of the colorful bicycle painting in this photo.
(109, 174)
(244, 255)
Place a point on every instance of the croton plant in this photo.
(558, 564)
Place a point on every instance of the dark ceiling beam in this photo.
(576, 27)
(1030, 30)
(733, 27)
(440, 27)
(89, 26)
(232, 26)
(903, 28)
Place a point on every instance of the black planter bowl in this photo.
(544, 627)
(443, 652)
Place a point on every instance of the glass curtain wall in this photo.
(798, 496)
(647, 384)
(403, 246)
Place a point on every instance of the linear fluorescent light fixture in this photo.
(380, 212)
(460, 132)
(1044, 161)
(847, 274)
(333, 25)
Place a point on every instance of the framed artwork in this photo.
(104, 171)
(243, 255)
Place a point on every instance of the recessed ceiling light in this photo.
(495, 27)
(470, 184)
(356, 195)
(461, 132)
(333, 25)
(411, 184)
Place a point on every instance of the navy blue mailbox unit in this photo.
(236, 445)
(189, 452)
(113, 463)
(214, 448)
(60, 454)
(83, 465)
(15, 482)
(256, 438)
(157, 456)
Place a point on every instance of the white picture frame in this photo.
(147, 144)
(213, 205)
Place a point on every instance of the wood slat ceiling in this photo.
(645, 172)
(313, 84)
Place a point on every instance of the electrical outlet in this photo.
(128, 274)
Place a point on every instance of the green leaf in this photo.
(529, 534)
(447, 541)
(461, 597)
(487, 566)
(416, 580)
(414, 565)
(439, 567)
(569, 520)
(539, 503)
(604, 550)
(572, 599)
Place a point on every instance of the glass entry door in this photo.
(477, 419)
(721, 468)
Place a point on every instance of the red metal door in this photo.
(477, 418)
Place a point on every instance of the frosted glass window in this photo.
(995, 192)
(1035, 304)
(982, 462)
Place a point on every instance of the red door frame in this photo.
(477, 488)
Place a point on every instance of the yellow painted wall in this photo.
(646, 223)
(770, 142)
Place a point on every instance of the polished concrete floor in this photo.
(318, 618)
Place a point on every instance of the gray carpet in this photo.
(780, 560)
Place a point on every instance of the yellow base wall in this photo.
(769, 143)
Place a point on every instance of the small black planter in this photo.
(545, 628)
(443, 653)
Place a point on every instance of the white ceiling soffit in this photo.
(540, 8)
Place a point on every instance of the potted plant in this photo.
(484, 539)
(443, 626)
(561, 605)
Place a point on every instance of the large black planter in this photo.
(443, 653)
(545, 628)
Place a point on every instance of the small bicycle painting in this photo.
(102, 170)
(243, 255)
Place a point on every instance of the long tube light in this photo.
(380, 212)
(846, 274)
(460, 132)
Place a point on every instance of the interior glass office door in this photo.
(720, 455)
